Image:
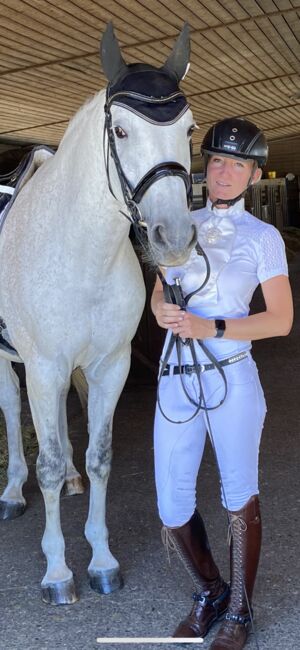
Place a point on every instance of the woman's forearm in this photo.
(276, 320)
(157, 296)
(250, 328)
(258, 326)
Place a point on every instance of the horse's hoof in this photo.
(73, 486)
(10, 510)
(59, 593)
(106, 581)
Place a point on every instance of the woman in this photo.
(242, 252)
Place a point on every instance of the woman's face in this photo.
(227, 178)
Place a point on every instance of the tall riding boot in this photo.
(212, 593)
(245, 528)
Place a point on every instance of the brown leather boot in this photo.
(211, 600)
(245, 528)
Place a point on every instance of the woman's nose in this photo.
(225, 169)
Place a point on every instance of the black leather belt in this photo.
(188, 370)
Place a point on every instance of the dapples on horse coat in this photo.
(71, 289)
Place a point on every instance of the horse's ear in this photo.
(110, 54)
(179, 58)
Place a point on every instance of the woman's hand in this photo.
(191, 326)
(183, 323)
(167, 315)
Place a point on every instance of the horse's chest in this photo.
(119, 306)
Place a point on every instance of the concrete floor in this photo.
(156, 595)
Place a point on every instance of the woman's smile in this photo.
(228, 177)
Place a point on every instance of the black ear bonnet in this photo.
(149, 92)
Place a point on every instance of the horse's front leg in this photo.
(12, 502)
(105, 385)
(45, 383)
(73, 483)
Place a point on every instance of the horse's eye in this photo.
(191, 130)
(120, 133)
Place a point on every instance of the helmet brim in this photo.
(234, 156)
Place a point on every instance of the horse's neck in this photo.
(81, 164)
(80, 155)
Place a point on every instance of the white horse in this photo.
(71, 289)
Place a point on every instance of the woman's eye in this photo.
(120, 133)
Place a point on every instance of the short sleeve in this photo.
(271, 255)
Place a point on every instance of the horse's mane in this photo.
(87, 107)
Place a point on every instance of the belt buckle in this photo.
(188, 370)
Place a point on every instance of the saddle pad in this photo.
(37, 157)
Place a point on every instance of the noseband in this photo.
(133, 195)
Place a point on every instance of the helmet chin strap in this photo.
(227, 202)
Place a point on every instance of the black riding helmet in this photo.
(238, 138)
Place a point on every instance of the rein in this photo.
(173, 293)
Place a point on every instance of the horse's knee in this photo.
(98, 461)
(51, 465)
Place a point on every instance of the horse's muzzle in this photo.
(169, 252)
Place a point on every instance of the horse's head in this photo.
(149, 127)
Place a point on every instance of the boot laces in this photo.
(237, 526)
(170, 543)
(235, 522)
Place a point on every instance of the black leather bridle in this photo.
(133, 195)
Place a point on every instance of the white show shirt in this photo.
(243, 252)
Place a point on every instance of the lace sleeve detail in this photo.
(272, 257)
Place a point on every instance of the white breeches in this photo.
(236, 429)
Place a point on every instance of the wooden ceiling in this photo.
(245, 59)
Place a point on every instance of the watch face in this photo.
(220, 324)
(220, 327)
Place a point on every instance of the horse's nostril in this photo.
(159, 235)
